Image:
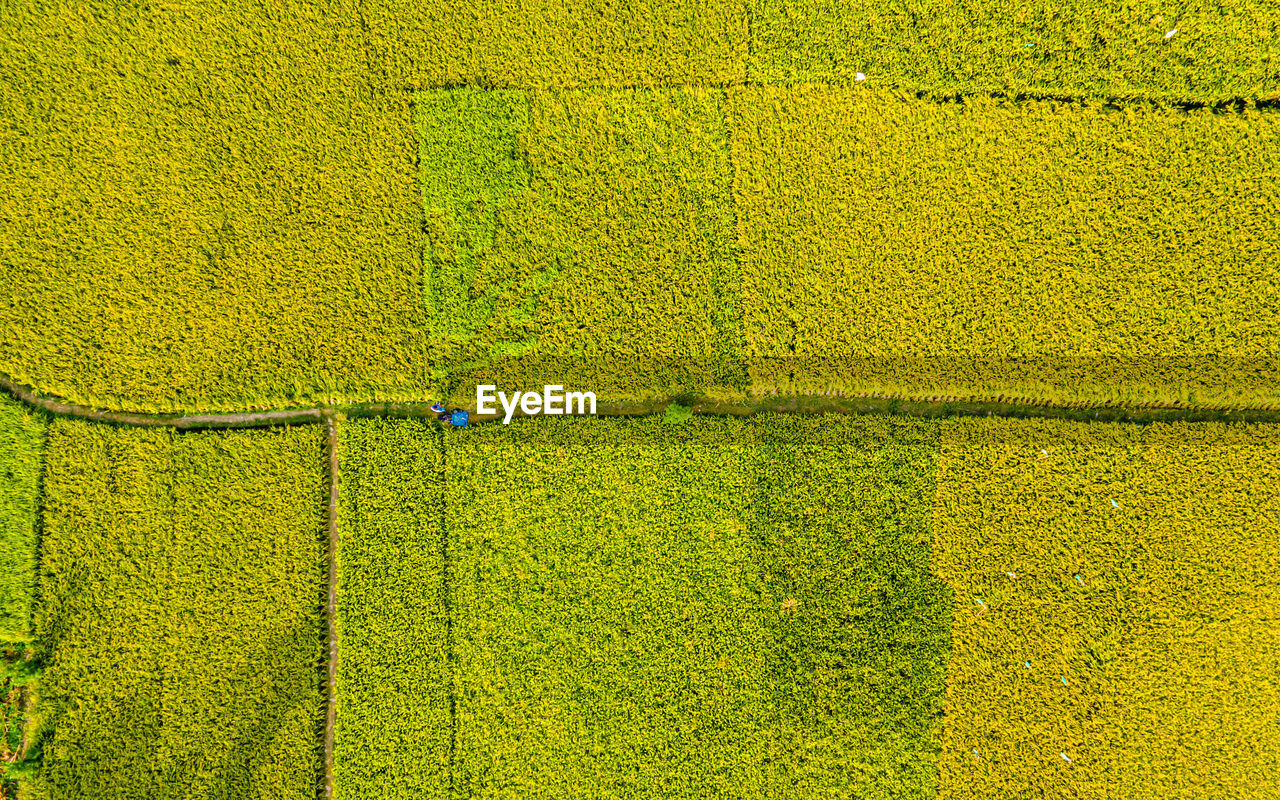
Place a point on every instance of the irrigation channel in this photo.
(329, 415)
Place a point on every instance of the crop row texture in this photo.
(567, 608)
(394, 722)
(1103, 48)
(642, 610)
(221, 210)
(584, 238)
(21, 448)
(1115, 610)
(1072, 252)
(179, 616)
(1065, 251)
(1198, 52)
(210, 209)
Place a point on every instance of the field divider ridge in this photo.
(1225, 105)
(924, 407)
(331, 602)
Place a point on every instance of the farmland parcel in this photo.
(1066, 252)
(742, 603)
(394, 731)
(1199, 52)
(572, 608)
(1062, 251)
(283, 204)
(21, 445)
(179, 614)
(1116, 602)
(204, 209)
(582, 238)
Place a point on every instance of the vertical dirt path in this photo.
(331, 606)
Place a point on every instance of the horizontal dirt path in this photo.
(929, 408)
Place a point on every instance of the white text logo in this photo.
(553, 400)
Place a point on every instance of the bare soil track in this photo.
(331, 606)
(927, 408)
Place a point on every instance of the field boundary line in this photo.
(1223, 105)
(331, 604)
(446, 579)
(744, 405)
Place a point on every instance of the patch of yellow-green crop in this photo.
(1063, 251)
(21, 446)
(394, 727)
(1201, 52)
(569, 608)
(1115, 610)
(181, 586)
(557, 43)
(583, 238)
(209, 207)
(657, 610)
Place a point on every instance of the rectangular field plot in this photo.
(558, 43)
(21, 445)
(581, 237)
(394, 724)
(1204, 52)
(1115, 610)
(205, 209)
(180, 614)
(645, 611)
(1067, 252)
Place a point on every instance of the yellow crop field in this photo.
(549, 43)
(1064, 251)
(1198, 52)
(262, 204)
(212, 209)
(1115, 610)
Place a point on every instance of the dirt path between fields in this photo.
(929, 408)
(331, 607)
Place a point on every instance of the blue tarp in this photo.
(458, 419)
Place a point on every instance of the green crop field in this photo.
(1116, 602)
(577, 608)
(21, 446)
(581, 238)
(748, 603)
(181, 587)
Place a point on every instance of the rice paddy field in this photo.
(244, 244)
(179, 614)
(801, 607)
(263, 205)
